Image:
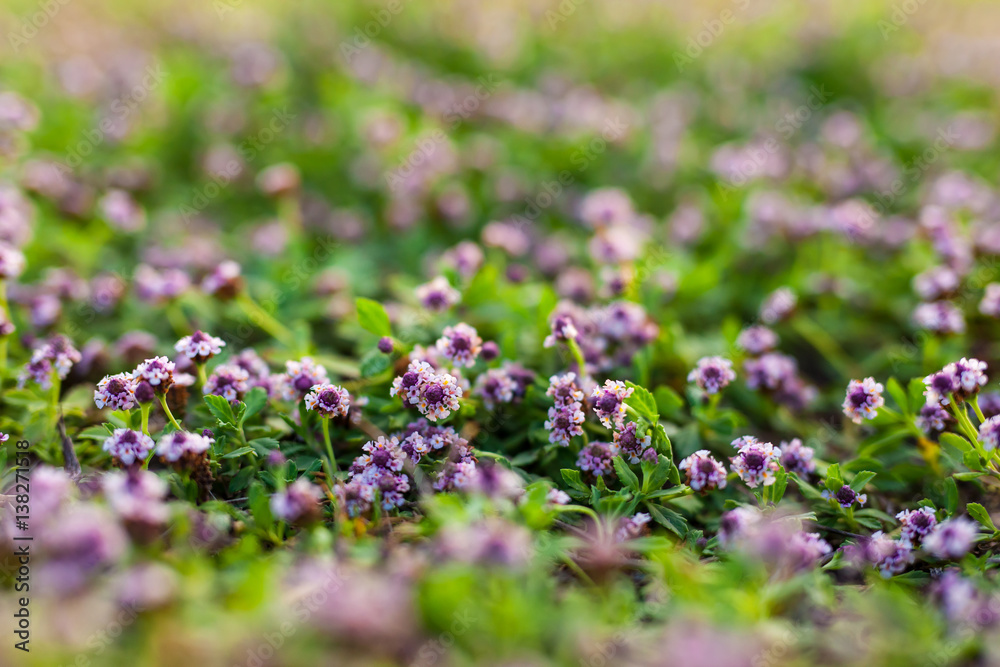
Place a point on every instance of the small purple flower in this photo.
(797, 458)
(496, 386)
(940, 387)
(128, 447)
(609, 403)
(158, 372)
(11, 262)
(557, 497)
(299, 502)
(564, 390)
(439, 396)
(951, 539)
(460, 344)
(224, 281)
(174, 446)
(846, 496)
(864, 398)
(971, 374)
(355, 497)
(409, 384)
(933, 417)
(564, 423)
(632, 527)
(300, 377)
(633, 448)
(596, 458)
(438, 295)
(329, 400)
(490, 351)
(563, 329)
(735, 523)
(889, 556)
(770, 371)
(712, 374)
(199, 347)
(990, 305)
(251, 362)
(152, 285)
(756, 463)
(136, 496)
(229, 381)
(916, 524)
(757, 340)
(703, 471)
(941, 317)
(778, 305)
(122, 211)
(385, 345)
(116, 392)
(935, 283)
(382, 453)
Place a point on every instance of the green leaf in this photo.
(806, 489)
(894, 389)
(861, 479)
(643, 403)
(979, 513)
(960, 443)
(373, 363)
(657, 477)
(372, 317)
(780, 484)
(220, 409)
(667, 518)
(951, 495)
(241, 480)
(668, 401)
(972, 461)
(237, 452)
(260, 506)
(255, 401)
(967, 476)
(625, 474)
(833, 479)
(572, 477)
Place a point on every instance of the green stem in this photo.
(578, 509)
(577, 356)
(202, 377)
(325, 422)
(144, 409)
(975, 406)
(170, 416)
(963, 423)
(265, 320)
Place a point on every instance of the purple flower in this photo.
(11, 262)
(439, 396)
(770, 371)
(990, 305)
(778, 305)
(935, 283)
(251, 362)
(634, 448)
(385, 345)
(228, 381)
(989, 433)
(608, 402)
(116, 392)
(409, 385)
(712, 374)
(199, 347)
(916, 524)
(596, 458)
(889, 556)
(563, 329)
(224, 281)
(460, 344)
(864, 398)
(179, 444)
(703, 471)
(382, 453)
(557, 497)
(734, 524)
(757, 340)
(438, 295)
(329, 400)
(137, 497)
(971, 374)
(846, 496)
(606, 207)
(496, 386)
(564, 390)
(933, 417)
(632, 527)
(127, 446)
(797, 458)
(299, 502)
(300, 377)
(156, 286)
(564, 423)
(80, 543)
(951, 539)
(941, 317)
(756, 463)
(158, 372)
(56, 354)
(122, 211)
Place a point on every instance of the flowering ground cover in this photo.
(518, 333)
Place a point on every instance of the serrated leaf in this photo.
(959, 442)
(627, 477)
(241, 480)
(220, 409)
(572, 478)
(372, 317)
(643, 402)
(373, 363)
(861, 479)
(657, 477)
(667, 518)
(254, 401)
(237, 453)
(979, 513)
(833, 479)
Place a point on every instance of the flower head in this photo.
(703, 471)
(633, 447)
(439, 396)
(757, 340)
(609, 403)
(229, 381)
(596, 458)
(158, 372)
(199, 347)
(300, 377)
(563, 329)
(990, 305)
(116, 392)
(128, 447)
(224, 281)
(179, 444)
(496, 386)
(778, 305)
(951, 539)
(460, 344)
(756, 463)
(564, 423)
(11, 262)
(889, 556)
(329, 400)
(409, 384)
(845, 496)
(864, 398)
(933, 417)
(797, 458)
(298, 503)
(712, 374)
(916, 524)
(438, 295)
(941, 317)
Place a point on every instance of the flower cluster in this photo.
(128, 447)
(300, 377)
(797, 458)
(438, 295)
(755, 462)
(375, 475)
(609, 403)
(566, 416)
(116, 392)
(712, 374)
(596, 458)
(199, 347)
(633, 447)
(460, 344)
(298, 503)
(864, 398)
(703, 471)
(845, 496)
(229, 381)
(436, 395)
(52, 359)
(328, 400)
